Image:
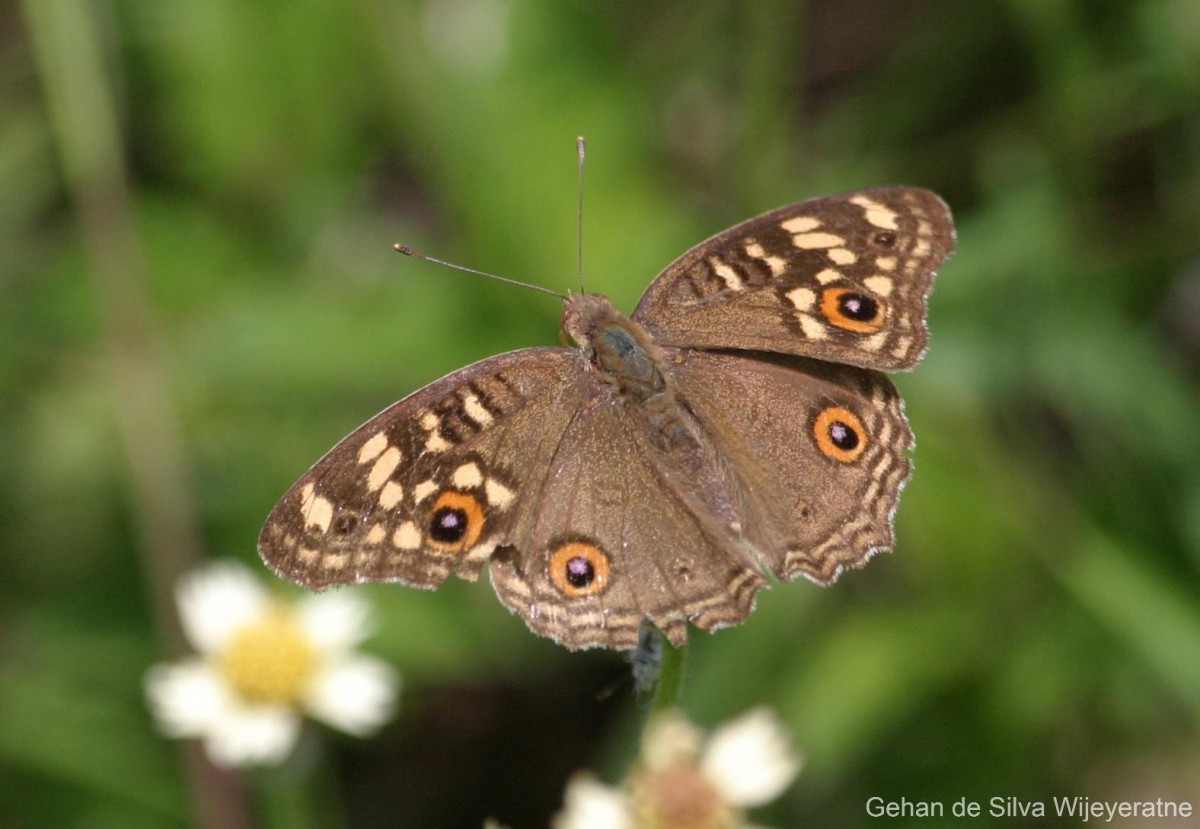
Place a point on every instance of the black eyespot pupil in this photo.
(885, 239)
(448, 525)
(843, 437)
(858, 307)
(580, 572)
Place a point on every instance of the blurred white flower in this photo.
(262, 664)
(683, 781)
(750, 759)
(592, 805)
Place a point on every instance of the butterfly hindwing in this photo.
(819, 452)
(623, 532)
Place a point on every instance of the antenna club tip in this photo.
(405, 249)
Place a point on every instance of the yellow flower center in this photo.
(680, 798)
(270, 660)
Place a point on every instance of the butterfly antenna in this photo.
(581, 149)
(416, 254)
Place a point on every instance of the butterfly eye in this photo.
(840, 434)
(579, 569)
(455, 522)
(852, 310)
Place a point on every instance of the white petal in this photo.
(258, 735)
(750, 759)
(337, 620)
(670, 741)
(589, 804)
(186, 698)
(354, 694)
(217, 600)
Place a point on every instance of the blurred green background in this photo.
(199, 297)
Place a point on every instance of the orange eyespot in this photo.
(456, 521)
(579, 569)
(852, 310)
(840, 434)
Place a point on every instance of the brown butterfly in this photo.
(735, 426)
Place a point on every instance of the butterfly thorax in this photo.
(619, 350)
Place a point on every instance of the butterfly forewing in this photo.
(841, 278)
(429, 486)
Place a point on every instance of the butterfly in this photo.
(737, 426)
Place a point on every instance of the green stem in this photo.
(300, 794)
(670, 679)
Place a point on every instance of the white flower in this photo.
(750, 759)
(685, 782)
(592, 805)
(263, 663)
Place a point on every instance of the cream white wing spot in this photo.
(882, 217)
(498, 494)
(423, 490)
(842, 256)
(813, 328)
(391, 494)
(307, 555)
(903, 344)
(814, 241)
(384, 466)
(728, 275)
(879, 284)
(467, 476)
(876, 213)
(482, 551)
(886, 263)
(802, 298)
(432, 424)
(775, 264)
(366, 557)
(874, 342)
(375, 535)
(921, 248)
(801, 224)
(335, 561)
(406, 537)
(372, 449)
(317, 511)
(476, 410)
(829, 275)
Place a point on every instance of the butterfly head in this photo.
(583, 314)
